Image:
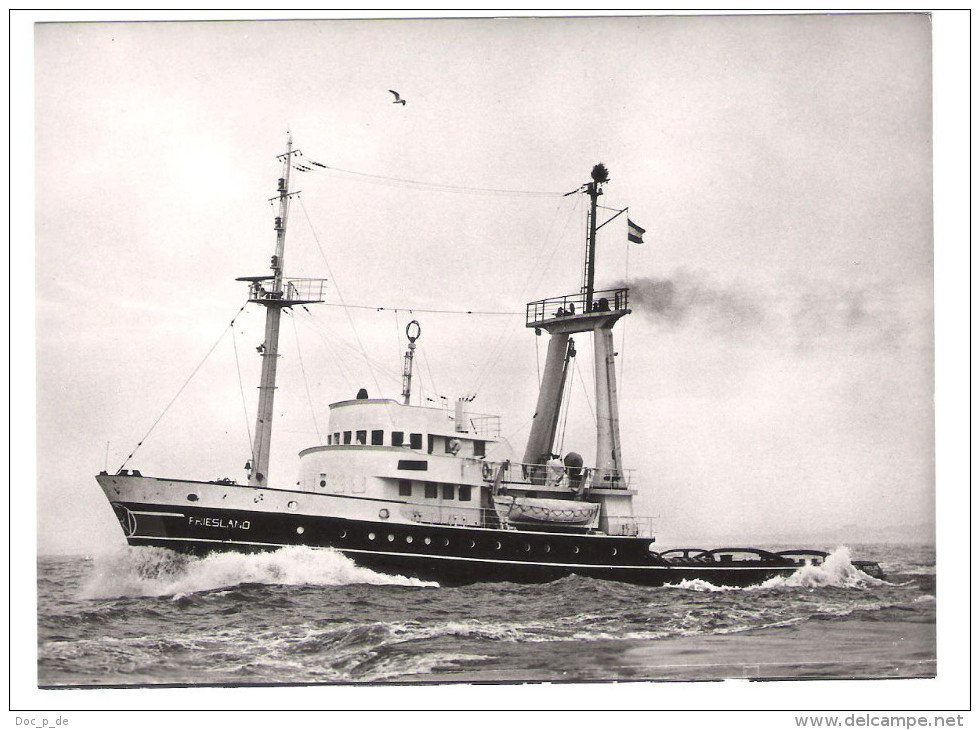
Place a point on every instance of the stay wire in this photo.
(429, 185)
(568, 406)
(241, 389)
(306, 381)
(413, 310)
(587, 399)
(181, 390)
(350, 319)
(507, 334)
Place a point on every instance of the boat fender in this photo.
(487, 470)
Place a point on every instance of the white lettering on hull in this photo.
(220, 523)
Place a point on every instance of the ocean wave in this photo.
(151, 572)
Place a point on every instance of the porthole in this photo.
(371, 536)
(300, 530)
(527, 547)
(614, 551)
(391, 538)
(192, 497)
(547, 548)
(323, 482)
(343, 534)
(498, 545)
(408, 539)
(428, 541)
(575, 549)
(445, 541)
(292, 505)
(383, 513)
(472, 543)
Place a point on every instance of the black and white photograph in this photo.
(487, 352)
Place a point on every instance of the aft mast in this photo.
(588, 311)
(275, 293)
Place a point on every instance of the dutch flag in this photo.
(635, 233)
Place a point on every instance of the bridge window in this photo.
(397, 438)
(346, 437)
(431, 490)
(404, 487)
(415, 440)
(362, 437)
(448, 491)
(336, 438)
(432, 443)
(479, 448)
(464, 492)
(377, 438)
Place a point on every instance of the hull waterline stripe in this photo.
(676, 568)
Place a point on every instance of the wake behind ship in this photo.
(417, 490)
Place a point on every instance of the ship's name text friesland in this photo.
(219, 522)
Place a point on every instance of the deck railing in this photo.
(480, 424)
(555, 476)
(293, 291)
(459, 516)
(575, 305)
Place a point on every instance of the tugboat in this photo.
(410, 489)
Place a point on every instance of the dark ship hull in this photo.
(450, 555)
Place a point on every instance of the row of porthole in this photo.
(472, 543)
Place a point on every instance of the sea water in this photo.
(147, 616)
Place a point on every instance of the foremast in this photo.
(275, 293)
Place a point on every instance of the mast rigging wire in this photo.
(428, 185)
(568, 407)
(416, 310)
(320, 329)
(334, 355)
(241, 389)
(306, 381)
(506, 334)
(586, 391)
(350, 319)
(181, 390)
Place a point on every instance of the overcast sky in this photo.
(777, 376)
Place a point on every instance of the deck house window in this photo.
(431, 490)
(346, 437)
(377, 438)
(336, 438)
(404, 487)
(479, 448)
(415, 440)
(362, 437)
(464, 493)
(432, 443)
(448, 491)
(397, 438)
(329, 439)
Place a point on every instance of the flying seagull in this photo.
(398, 99)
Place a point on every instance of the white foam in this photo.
(146, 571)
(836, 571)
(702, 586)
